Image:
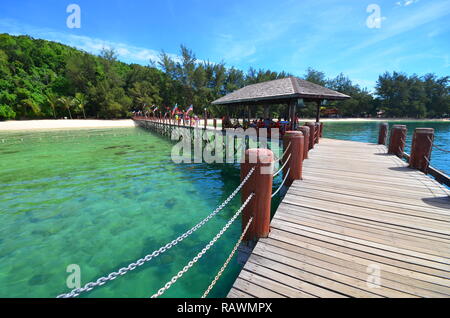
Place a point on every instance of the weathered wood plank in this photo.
(356, 207)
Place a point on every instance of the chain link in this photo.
(284, 165)
(437, 147)
(203, 251)
(284, 153)
(282, 183)
(210, 287)
(102, 280)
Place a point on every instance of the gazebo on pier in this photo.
(292, 91)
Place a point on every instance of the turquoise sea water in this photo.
(105, 198)
(368, 132)
(102, 199)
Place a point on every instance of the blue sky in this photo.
(292, 35)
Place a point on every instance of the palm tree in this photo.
(80, 102)
(30, 105)
(67, 103)
(52, 101)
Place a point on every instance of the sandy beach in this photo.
(375, 119)
(47, 124)
(63, 124)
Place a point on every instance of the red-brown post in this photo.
(295, 164)
(215, 123)
(321, 130)
(317, 133)
(397, 140)
(312, 132)
(305, 131)
(260, 183)
(382, 135)
(422, 144)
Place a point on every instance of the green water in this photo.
(368, 132)
(103, 199)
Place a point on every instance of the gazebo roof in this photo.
(279, 91)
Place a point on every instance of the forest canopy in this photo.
(44, 79)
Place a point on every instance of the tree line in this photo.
(44, 79)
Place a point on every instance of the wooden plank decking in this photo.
(357, 209)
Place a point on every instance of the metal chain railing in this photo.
(402, 142)
(202, 252)
(284, 165)
(282, 183)
(437, 147)
(284, 153)
(210, 287)
(102, 280)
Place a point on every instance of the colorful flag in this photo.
(191, 108)
(175, 109)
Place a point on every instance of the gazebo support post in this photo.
(318, 111)
(292, 108)
(266, 111)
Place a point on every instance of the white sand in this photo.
(44, 124)
(63, 124)
(374, 119)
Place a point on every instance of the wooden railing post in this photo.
(422, 145)
(321, 130)
(296, 151)
(305, 131)
(312, 132)
(215, 123)
(382, 134)
(397, 140)
(317, 136)
(260, 183)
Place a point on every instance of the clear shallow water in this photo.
(368, 132)
(103, 199)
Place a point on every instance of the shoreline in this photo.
(61, 124)
(381, 120)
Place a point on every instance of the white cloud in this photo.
(256, 33)
(126, 52)
(406, 3)
(400, 25)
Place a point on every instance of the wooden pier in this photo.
(359, 224)
(356, 221)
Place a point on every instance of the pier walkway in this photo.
(359, 224)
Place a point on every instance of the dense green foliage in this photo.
(6, 112)
(43, 79)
